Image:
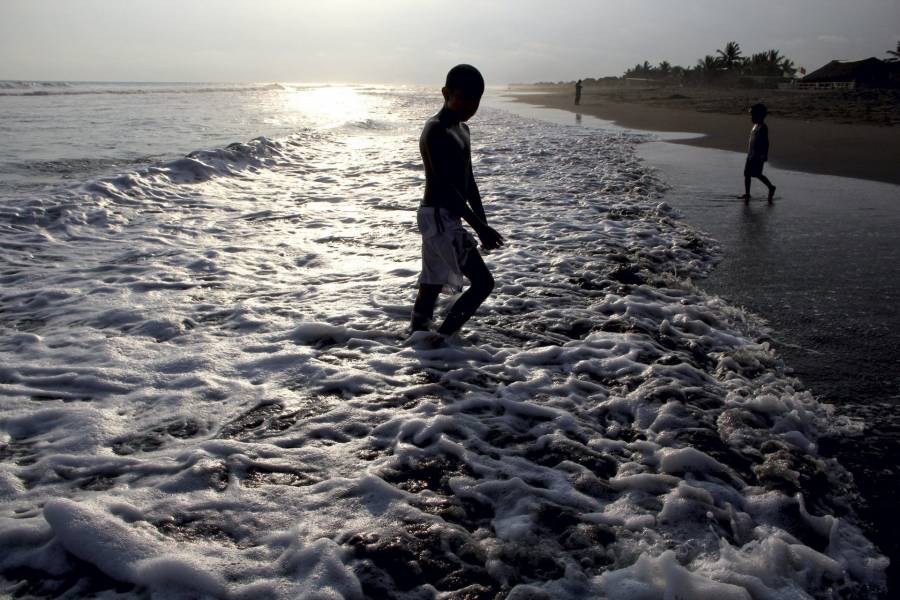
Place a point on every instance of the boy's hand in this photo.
(490, 238)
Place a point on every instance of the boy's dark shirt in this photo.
(445, 145)
(758, 148)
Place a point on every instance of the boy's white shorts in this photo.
(445, 246)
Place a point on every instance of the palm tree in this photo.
(756, 64)
(731, 55)
(778, 65)
(709, 63)
(640, 70)
(709, 67)
(664, 68)
(787, 67)
(770, 63)
(895, 54)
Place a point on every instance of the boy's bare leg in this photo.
(769, 185)
(746, 195)
(423, 309)
(466, 305)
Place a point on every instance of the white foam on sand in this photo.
(206, 388)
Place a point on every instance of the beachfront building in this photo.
(868, 73)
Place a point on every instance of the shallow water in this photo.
(821, 265)
(207, 387)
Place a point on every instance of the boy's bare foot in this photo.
(771, 193)
(426, 340)
(746, 197)
(420, 326)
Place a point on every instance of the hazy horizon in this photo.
(404, 41)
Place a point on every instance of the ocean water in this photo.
(207, 389)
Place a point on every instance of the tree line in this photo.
(727, 63)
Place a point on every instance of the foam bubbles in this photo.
(207, 388)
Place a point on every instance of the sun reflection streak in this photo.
(331, 106)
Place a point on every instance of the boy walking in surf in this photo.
(758, 151)
(451, 195)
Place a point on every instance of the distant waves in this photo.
(62, 88)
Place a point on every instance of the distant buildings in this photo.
(868, 73)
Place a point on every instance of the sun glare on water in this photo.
(364, 134)
(330, 106)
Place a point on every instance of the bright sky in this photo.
(416, 41)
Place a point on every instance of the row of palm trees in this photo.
(728, 60)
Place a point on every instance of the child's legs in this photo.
(746, 186)
(765, 180)
(466, 305)
(423, 309)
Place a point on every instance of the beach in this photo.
(816, 134)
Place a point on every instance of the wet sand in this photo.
(847, 150)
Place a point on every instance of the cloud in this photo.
(833, 39)
(416, 40)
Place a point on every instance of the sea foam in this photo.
(207, 388)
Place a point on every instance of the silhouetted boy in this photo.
(758, 151)
(448, 250)
(578, 92)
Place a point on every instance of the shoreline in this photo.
(845, 150)
(783, 262)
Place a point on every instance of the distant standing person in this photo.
(451, 195)
(578, 92)
(757, 151)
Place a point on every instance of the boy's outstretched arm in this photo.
(489, 236)
(475, 196)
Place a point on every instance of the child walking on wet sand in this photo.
(758, 151)
(451, 195)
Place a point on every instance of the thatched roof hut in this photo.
(868, 73)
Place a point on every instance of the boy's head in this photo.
(462, 91)
(758, 112)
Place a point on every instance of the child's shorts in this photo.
(445, 247)
(753, 167)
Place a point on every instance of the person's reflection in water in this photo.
(753, 229)
(578, 118)
(754, 238)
